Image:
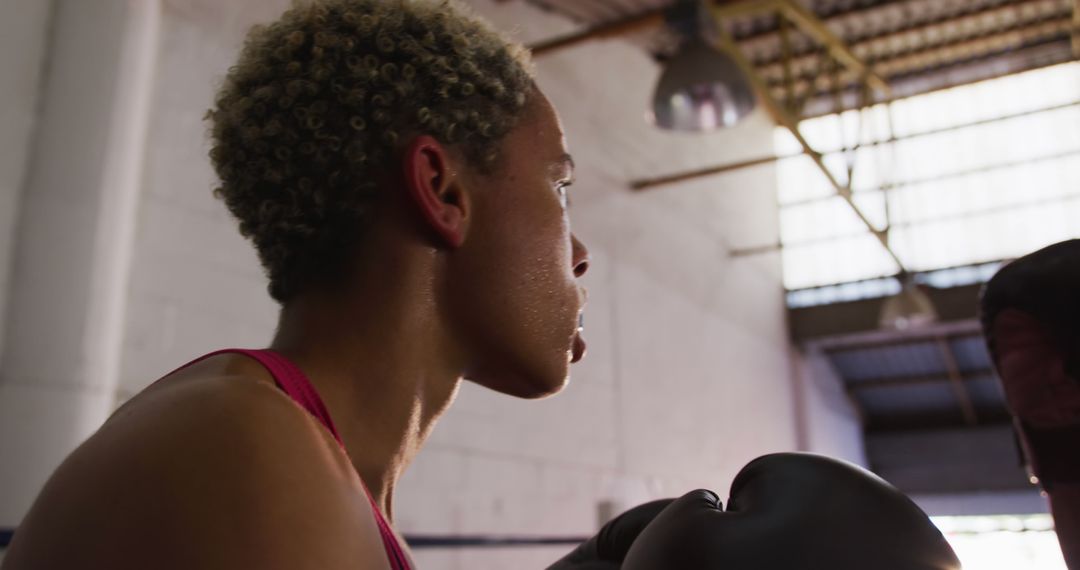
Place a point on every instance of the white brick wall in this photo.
(57, 378)
(196, 285)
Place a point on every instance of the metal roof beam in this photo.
(788, 120)
(1069, 153)
(1076, 29)
(956, 380)
(904, 63)
(874, 338)
(654, 18)
(638, 22)
(868, 43)
(815, 28)
(914, 380)
(646, 183)
(1044, 52)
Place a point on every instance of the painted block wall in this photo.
(68, 245)
(195, 284)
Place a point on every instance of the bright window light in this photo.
(981, 173)
(1004, 542)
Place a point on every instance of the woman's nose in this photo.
(580, 256)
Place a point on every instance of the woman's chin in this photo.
(529, 386)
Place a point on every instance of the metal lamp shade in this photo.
(701, 89)
(907, 309)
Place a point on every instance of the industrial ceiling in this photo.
(916, 45)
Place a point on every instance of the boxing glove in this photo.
(606, 550)
(1031, 320)
(792, 511)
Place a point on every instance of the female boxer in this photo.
(404, 183)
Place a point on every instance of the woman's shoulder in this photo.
(227, 399)
(222, 391)
(218, 416)
(204, 409)
(205, 462)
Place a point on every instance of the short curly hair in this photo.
(321, 101)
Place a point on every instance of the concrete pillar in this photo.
(24, 26)
(74, 237)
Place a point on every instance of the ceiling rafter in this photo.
(914, 380)
(912, 33)
(908, 42)
(930, 56)
(956, 381)
(661, 180)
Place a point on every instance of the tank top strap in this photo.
(295, 383)
(291, 380)
(288, 377)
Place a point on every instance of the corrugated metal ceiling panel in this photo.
(889, 362)
(986, 393)
(902, 400)
(971, 354)
(907, 383)
(917, 45)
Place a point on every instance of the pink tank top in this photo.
(293, 382)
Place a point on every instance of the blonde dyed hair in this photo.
(319, 104)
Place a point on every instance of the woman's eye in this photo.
(564, 198)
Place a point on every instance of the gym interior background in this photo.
(740, 302)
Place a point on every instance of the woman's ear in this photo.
(433, 187)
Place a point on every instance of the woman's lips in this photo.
(579, 342)
(579, 347)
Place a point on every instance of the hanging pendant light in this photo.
(700, 89)
(910, 308)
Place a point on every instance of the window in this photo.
(1003, 542)
(978, 174)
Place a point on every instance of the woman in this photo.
(404, 182)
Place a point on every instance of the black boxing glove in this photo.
(791, 511)
(606, 550)
(1031, 320)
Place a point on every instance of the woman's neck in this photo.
(384, 367)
